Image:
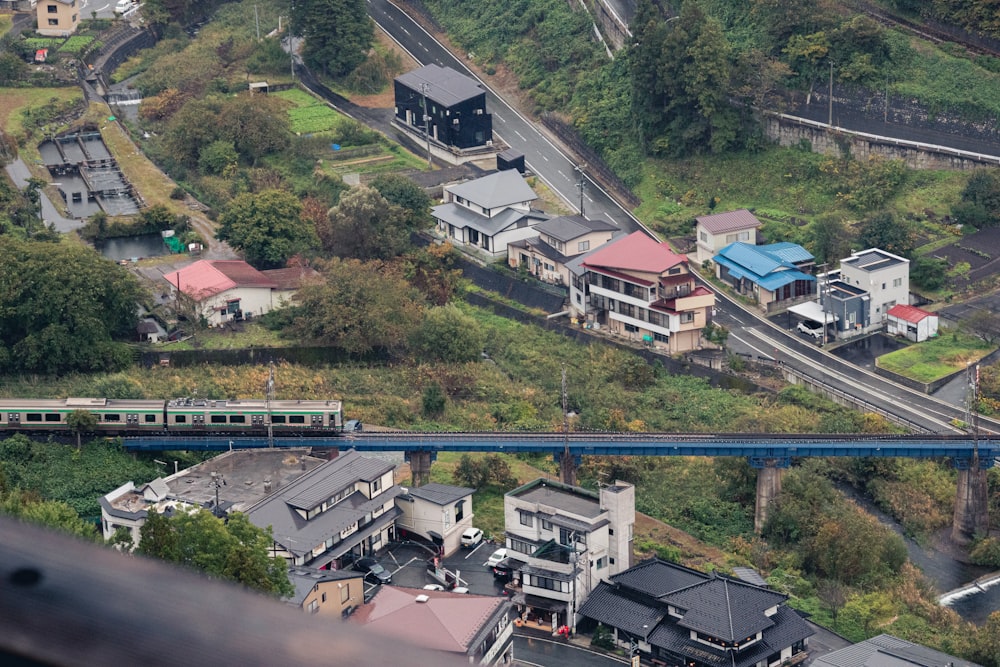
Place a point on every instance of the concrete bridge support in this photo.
(768, 487)
(420, 466)
(971, 503)
(567, 467)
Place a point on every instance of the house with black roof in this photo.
(455, 116)
(559, 240)
(888, 651)
(679, 616)
(336, 512)
(488, 213)
(435, 512)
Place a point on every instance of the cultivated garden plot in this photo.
(980, 251)
(309, 115)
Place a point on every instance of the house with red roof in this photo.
(476, 628)
(714, 232)
(226, 290)
(911, 322)
(637, 287)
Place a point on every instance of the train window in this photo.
(150, 419)
(180, 419)
(111, 417)
(218, 419)
(237, 419)
(34, 416)
(53, 417)
(296, 419)
(278, 419)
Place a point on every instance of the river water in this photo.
(941, 568)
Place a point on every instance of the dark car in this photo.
(373, 571)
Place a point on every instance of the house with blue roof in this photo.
(775, 275)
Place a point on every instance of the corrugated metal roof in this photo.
(909, 313)
(440, 494)
(635, 252)
(730, 221)
(883, 648)
(444, 85)
(206, 278)
(568, 227)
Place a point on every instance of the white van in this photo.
(471, 537)
(123, 6)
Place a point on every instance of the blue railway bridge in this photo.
(768, 453)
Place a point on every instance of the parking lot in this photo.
(407, 562)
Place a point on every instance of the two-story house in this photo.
(449, 106)
(436, 512)
(714, 232)
(562, 540)
(488, 213)
(886, 278)
(559, 239)
(679, 616)
(57, 18)
(637, 287)
(345, 507)
(332, 593)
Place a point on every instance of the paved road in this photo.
(765, 339)
(530, 650)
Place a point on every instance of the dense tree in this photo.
(447, 334)
(267, 227)
(12, 69)
(233, 549)
(62, 307)
(218, 158)
(363, 225)
(358, 307)
(403, 192)
(80, 422)
(338, 34)
(256, 124)
(31, 508)
(831, 238)
(433, 270)
(480, 472)
(980, 203)
(883, 230)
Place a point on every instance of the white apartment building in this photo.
(886, 278)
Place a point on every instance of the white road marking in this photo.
(475, 550)
(521, 136)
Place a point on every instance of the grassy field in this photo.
(934, 359)
(14, 100)
(309, 115)
(6, 22)
(253, 334)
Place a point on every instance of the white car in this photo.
(811, 328)
(496, 557)
(433, 587)
(471, 538)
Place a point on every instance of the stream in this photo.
(946, 573)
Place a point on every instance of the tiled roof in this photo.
(909, 313)
(304, 578)
(292, 277)
(886, 651)
(635, 252)
(501, 188)
(657, 578)
(725, 608)
(206, 278)
(459, 216)
(617, 608)
(440, 494)
(730, 221)
(444, 85)
(446, 621)
(569, 227)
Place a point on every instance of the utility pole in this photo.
(256, 20)
(830, 121)
(567, 471)
(823, 289)
(581, 184)
(427, 119)
(268, 397)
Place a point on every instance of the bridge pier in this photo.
(768, 487)
(971, 502)
(567, 467)
(420, 465)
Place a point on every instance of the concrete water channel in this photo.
(87, 176)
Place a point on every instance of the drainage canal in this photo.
(87, 177)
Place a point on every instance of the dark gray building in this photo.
(456, 106)
(848, 306)
(889, 651)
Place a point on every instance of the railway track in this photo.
(923, 31)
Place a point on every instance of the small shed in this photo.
(511, 159)
(911, 322)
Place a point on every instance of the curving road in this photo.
(558, 171)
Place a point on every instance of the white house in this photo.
(911, 322)
(562, 541)
(488, 213)
(886, 278)
(714, 232)
(560, 239)
(436, 512)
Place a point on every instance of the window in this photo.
(631, 328)
(704, 236)
(180, 419)
(53, 9)
(602, 562)
(661, 338)
(883, 285)
(611, 560)
(687, 317)
(377, 485)
(582, 245)
(218, 419)
(324, 597)
(150, 419)
(345, 593)
(278, 419)
(232, 306)
(52, 417)
(521, 547)
(611, 531)
(526, 518)
(296, 419)
(112, 417)
(459, 510)
(546, 583)
(546, 525)
(898, 282)
(579, 300)
(34, 416)
(313, 606)
(237, 419)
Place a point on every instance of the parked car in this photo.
(811, 328)
(433, 587)
(496, 557)
(471, 538)
(374, 572)
(460, 589)
(503, 572)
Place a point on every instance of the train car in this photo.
(245, 415)
(113, 415)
